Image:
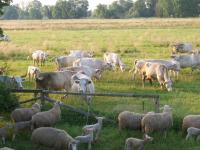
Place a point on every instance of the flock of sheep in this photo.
(75, 72)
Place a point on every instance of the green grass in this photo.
(148, 41)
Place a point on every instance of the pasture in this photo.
(132, 39)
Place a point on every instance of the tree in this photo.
(81, 8)
(10, 12)
(101, 11)
(139, 9)
(46, 12)
(165, 8)
(34, 9)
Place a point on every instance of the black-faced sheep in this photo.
(53, 138)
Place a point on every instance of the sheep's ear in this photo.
(77, 81)
(89, 81)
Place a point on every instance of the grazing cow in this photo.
(152, 71)
(114, 60)
(91, 72)
(65, 61)
(12, 82)
(93, 63)
(39, 56)
(80, 54)
(58, 80)
(188, 60)
(182, 48)
(171, 65)
(81, 83)
(32, 72)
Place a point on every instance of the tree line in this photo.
(119, 9)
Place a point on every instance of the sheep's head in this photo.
(148, 138)
(166, 108)
(73, 145)
(37, 106)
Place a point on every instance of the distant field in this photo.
(132, 39)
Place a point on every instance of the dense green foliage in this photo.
(67, 9)
(8, 101)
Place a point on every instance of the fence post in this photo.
(157, 104)
(42, 98)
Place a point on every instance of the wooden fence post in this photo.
(157, 104)
(42, 99)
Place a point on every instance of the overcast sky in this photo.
(92, 3)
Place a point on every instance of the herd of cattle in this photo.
(75, 73)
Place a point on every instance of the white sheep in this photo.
(19, 126)
(158, 121)
(191, 121)
(25, 114)
(87, 138)
(53, 138)
(193, 132)
(4, 133)
(96, 127)
(137, 143)
(46, 118)
(127, 119)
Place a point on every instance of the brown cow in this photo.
(153, 71)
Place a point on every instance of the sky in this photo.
(92, 3)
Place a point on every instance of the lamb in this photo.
(191, 121)
(53, 138)
(46, 118)
(4, 133)
(192, 131)
(96, 127)
(17, 127)
(32, 72)
(127, 119)
(88, 138)
(137, 143)
(158, 121)
(25, 114)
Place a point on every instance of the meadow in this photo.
(132, 39)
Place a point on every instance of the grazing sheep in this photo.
(127, 119)
(158, 121)
(32, 72)
(191, 121)
(137, 143)
(96, 127)
(25, 114)
(88, 138)
(53, 138)
(192, 132)
(46, 118)
(4, 133)
(19, 126)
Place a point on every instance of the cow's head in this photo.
(17, 82)
(168, 85)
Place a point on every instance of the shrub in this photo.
(8, 101)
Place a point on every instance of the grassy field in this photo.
(132, 39)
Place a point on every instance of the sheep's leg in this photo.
(13, 137)
(187, 137)
(97, 135)
(37, 147)
(165, 134)
(89, 146)
(143, 80)
(198, 138)
(3, 140)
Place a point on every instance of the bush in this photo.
(8, 101)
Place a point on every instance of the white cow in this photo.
(93, 63)
(188, 60)
(12, 82)
(32, 72)
(114, 60)
(171, 65)
(39, 56)
(81, 83)
(64, 61)
(182, 48)
(80, 54)
(91, 72)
